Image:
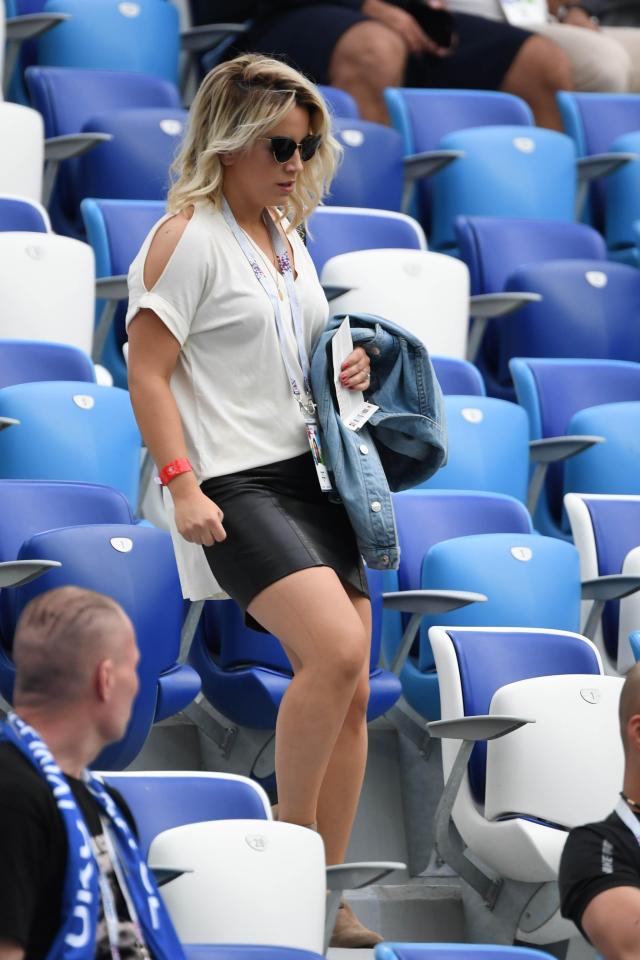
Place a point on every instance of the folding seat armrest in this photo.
(593, 168)
(551, 450)
(189, 628)
(209, 35)
(15, 573)
(447, 842)
(57, 149)
(8, 422)
(164, 875)
(420, 165)
(419, 603)
(331, 291)
(26, 27)
(111, 289)
(488, 306)
(352, 876)
(600, 589)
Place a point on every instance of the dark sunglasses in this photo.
(283, 148)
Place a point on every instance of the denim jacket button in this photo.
(384, 559)
(376, 506)
(364, 448)
(375, 351)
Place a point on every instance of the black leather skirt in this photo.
(279, 521)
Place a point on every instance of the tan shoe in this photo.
(349, 932)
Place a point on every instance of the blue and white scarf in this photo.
(76, 939)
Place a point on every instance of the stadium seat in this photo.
(424, 117)
(18, 213)
(47, 288)
(606, 532)
(28, 361)
(612, 466)
(458, 376)
(520, 794)
(135, 565)
(140, 37)
(116, 229)
(552, 391)
(22, 156)
(67, 98)
(340, 103)
(622, 207)
(585, 311)
(594, 121)
(70, 430)
(455, 951)
(505, 171)
(332, 231)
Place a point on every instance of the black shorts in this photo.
(306, 38)
(278, 521)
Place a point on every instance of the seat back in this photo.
(71, 431)
(458, 376)
(488, 447)
(424, 117)
(270, 872)
(339, 102)
(530, 580)
(456, 951)
(47, 289)
(621, 196)
(136, 566)
(611, 467)
(594, 121)
(120, 169)
(21, 165)
(544, 770)
(605, 529)
(336, 230)
(18, 213)
(141, 37)
(161, 800)
(493, 247)
(27, 361)
(473, 663)
(371, 171)
(426, 293)
(504, 172)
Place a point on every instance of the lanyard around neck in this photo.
(302, 395)
(628, 818)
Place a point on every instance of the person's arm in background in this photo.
(573, 14)
(10, 950)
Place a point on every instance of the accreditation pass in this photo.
(354, 409)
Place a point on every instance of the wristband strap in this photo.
(173, 469)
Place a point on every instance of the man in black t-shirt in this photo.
(76, 680)
(600, 867)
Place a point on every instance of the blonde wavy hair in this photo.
(238, 102)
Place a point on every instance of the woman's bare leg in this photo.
(319, 626)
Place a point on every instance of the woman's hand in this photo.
(198, 519)
(355, 372)
(406, 26)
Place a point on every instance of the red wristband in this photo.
(172, 470)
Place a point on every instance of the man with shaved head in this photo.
(74, 885)
(600, 867)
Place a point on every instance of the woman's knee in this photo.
(357, 713)
(343, 659)
(541, 65)
(369, 53)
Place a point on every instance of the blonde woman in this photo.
(225, 307)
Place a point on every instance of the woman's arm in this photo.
(153, 353)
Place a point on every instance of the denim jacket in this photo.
(402, 445)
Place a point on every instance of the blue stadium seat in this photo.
(594, 121)
(20, 214)
(245, 673)
(493, 247)
(102, 35)
(162, 800)
(28, 361)
(613, 466)
(585, 311)
(340, 103)
(424, 518)
(67, 98)
(458, 376)
(336, 230)
(552, 391)
(68, 430)
(136, 566)
(226, 951)
(116, 229)
(506, 171)
(371, 173)
(622, 203)
(424, 117)
(455, 951)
